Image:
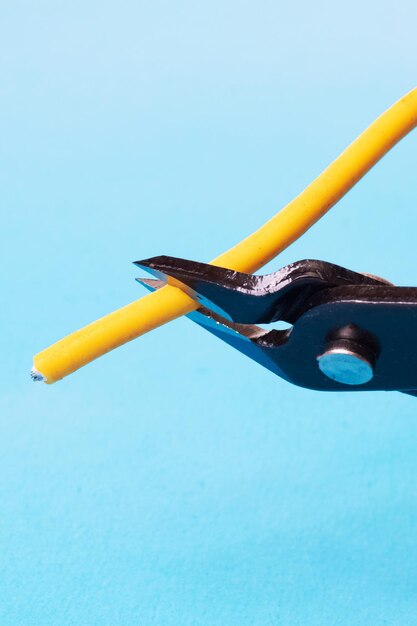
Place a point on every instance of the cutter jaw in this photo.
(251, 299)
(243, 337)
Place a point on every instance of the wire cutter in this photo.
(349, 331)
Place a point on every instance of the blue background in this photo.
(174, 481)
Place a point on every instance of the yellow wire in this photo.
(155, 309)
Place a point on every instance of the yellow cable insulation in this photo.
(169, 303)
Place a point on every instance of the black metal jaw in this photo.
(350, 331)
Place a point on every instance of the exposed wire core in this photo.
(36, 376)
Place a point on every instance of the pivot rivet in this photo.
(346, 363)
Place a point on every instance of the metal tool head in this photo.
(350, 331)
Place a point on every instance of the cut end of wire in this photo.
(36, 376)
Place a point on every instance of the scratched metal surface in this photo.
(174, 482)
